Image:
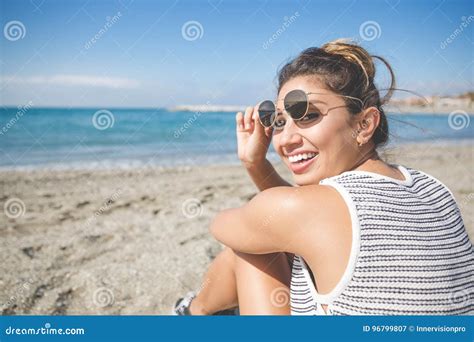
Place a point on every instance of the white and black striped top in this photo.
(410, 253)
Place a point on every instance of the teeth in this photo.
(298, 157)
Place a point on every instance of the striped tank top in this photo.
(410, 253)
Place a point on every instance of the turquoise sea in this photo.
(90, 138)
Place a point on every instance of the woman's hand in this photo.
(253, 139)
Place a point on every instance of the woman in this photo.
(356, 235)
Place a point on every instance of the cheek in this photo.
(330, 137)
(276, 143)
(322, 136)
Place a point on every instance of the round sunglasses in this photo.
(296, 104)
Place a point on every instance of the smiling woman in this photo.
(356, 235)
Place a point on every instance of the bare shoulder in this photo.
(320, 225)
(313, 214)
(310, 200)
(327, 217)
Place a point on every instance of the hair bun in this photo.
(353, 53)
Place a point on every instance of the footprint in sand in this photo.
(82, 204)
(31, 251)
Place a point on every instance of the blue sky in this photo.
(143, 58)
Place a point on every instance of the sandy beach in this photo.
(132, 241)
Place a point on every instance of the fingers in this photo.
(255, 114)
(239, 121)
(248, 117)
(256, 120)
(244, 122)
(268, 131)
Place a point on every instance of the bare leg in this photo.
(218, 291)
(258, 284)
(263, 283)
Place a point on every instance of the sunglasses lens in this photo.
(296, 103)
(266, 113)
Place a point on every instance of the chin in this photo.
(306, 179)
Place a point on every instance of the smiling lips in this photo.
(301, 156)
(301, 161)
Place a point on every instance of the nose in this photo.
(290, 137)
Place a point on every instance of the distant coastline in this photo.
(412, 105)
(207, 108)
(434, 104)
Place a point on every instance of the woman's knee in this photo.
(261, 281)
(228, 255)
(273, 268)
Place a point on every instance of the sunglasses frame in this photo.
(307, 106)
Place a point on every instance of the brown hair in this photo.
(346, 69)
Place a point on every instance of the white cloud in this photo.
(73, 80)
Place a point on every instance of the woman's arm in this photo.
(265, 176)
(282, 219)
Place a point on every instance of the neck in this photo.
(367, 157)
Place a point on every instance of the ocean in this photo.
(95, 138)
